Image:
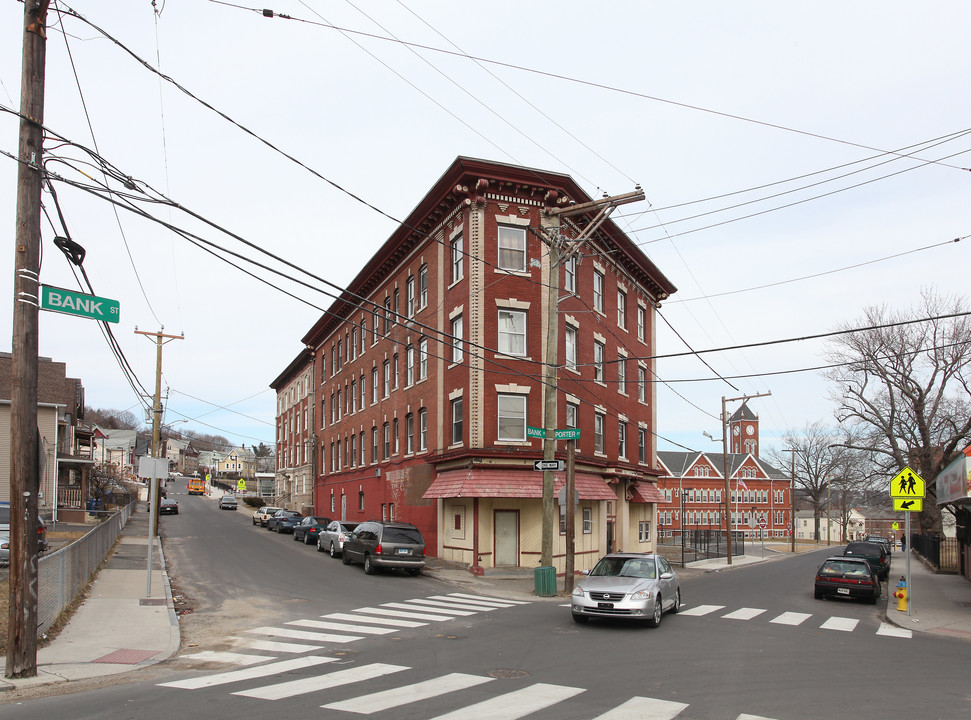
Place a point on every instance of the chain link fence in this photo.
(62, 575)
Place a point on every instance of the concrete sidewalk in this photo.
(120, 627)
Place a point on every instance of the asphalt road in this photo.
(750, 640)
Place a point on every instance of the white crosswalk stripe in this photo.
(417, 606)
(392, 622)
(316, 683)
(273, 646)
(398, 612)
(204, 681)
(515, 704)
(450, 606)
(346, 627)
(894, 631)
(743, 614)
(700, 610)
(387, 699)
(791, 618)
(642, 708)
(303, 635)
(484, 598)
(229, 658)
(490, 604)
(840, 623)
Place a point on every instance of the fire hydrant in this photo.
(901, 594)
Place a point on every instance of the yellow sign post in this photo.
(241, 485)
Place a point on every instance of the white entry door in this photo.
(507, 538)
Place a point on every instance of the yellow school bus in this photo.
(196, 486)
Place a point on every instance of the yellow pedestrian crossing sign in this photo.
(908, 505)
(908, 484)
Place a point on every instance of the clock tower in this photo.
(743, 428)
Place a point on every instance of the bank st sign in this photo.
(70, 302)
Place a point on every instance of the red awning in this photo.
(646, 492)
(498, 482)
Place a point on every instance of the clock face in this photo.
(735, 430)
(750, 430)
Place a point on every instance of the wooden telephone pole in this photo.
(24, 445)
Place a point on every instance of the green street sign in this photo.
(75, 303)
(565, 434)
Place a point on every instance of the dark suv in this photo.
(385, 545)
(873, 553)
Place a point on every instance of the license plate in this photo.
(605, 606)
(404, 551)
(843, 591)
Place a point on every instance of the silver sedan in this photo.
(331, 539)
(631, 586)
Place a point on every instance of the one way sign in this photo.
(548, 465)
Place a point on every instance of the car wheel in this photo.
(818, 594)
(369, 568)
(677, 602)
(414, 572)
(655, 618)
(307, 539)
(333, 550)
(345, 558)
(295, 538)
(319, 548)
(580, 619)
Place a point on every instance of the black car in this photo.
(881, 540)
(283, 521)
(385, 545)
(849, 577)
(309, 528)
(168, 506)
(874, 553)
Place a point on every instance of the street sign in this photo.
(561, 497)
(895, 525)
(762, 523)
(548, 465)
(75, 303)
(908, 484)
(241, 484)
(564, 434)
(905, 505)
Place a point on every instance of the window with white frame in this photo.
(374, 385)
(422, 429)
(410, 366)
(422, 286)
(587, 520)
(457, 339)
(456, 421)
(374, 443)
(423, 358)
(570, 340)
(572, 415)
(512, 417)
(622, 439)
(457, 255)
(410, 296)
(570, 275)
(387, 441)
(598, 291)
(621, 308)
(641, 383)
(644, 529)
(512, 332)
(409, 433)
(512, 248)
(598, 432)
(387, 378)
(598, 361)
(387, 315)
(641, 445)
(622, 374)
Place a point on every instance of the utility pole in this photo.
(728, 486)
(561, 250)
(156, 428)
(24, 443)
(792, 502)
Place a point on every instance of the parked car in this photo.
(385, 545)
(41, 527)
(263, 514)
(331, 539)
(308, 529)
(4, 550)
(847, 576)
(227, 502)
(632, 586)
(283, 521)
(168, 506)
(881, 540)
(875, 554)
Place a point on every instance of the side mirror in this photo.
(584, 572)
(667, 575)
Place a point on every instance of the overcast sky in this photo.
(768, 138)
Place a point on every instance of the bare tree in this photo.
(903, 386)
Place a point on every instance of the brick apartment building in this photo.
(429, 368)
(693, 484)
(296, 471)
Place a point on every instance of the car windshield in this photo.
(625, 567)
(844, 567)
(401, 535)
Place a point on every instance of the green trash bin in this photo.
(545, 581)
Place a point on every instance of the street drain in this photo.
(507, 673)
